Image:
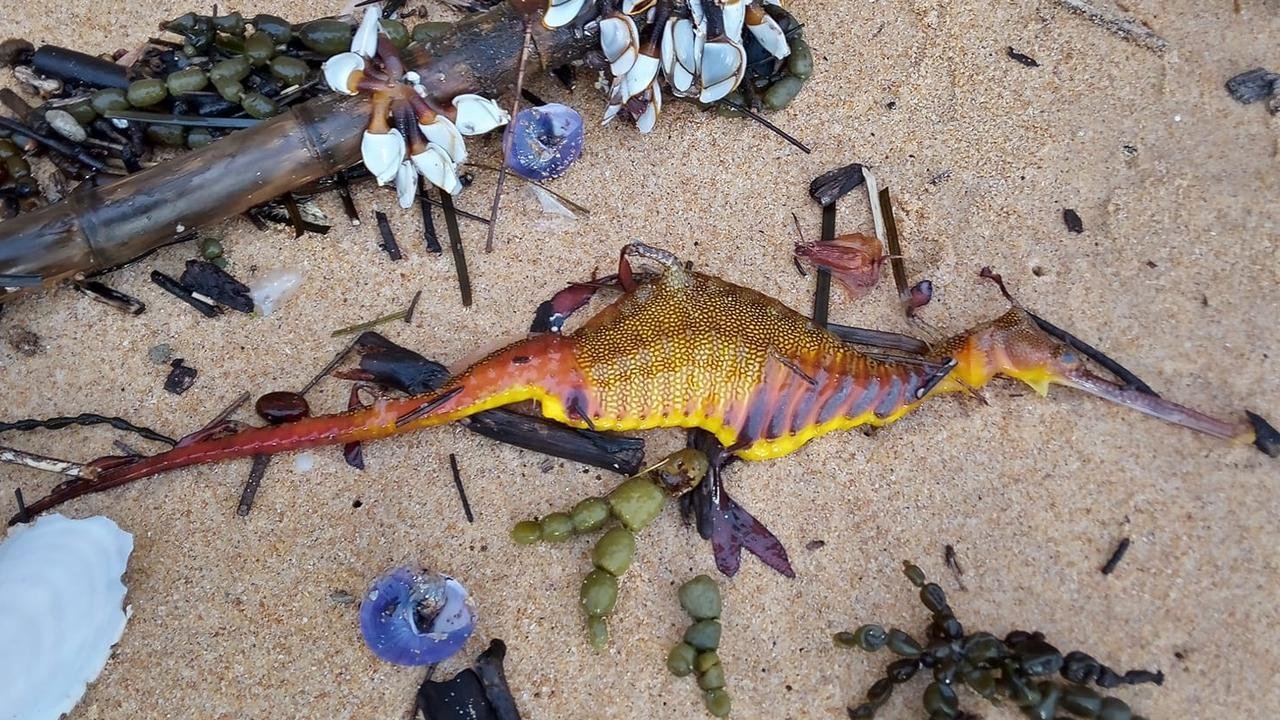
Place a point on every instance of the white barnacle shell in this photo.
(61, 611)
(478, 115)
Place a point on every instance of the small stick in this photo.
(361, 327)
(180, 291)
(457, 483)
(337, 359)
(460, 211)
(799, 233)
(348, 205)
(389, 243)
(23, 515)
(895, 247)
(295, 214)
(110, 296)
(429, 223)
(506, 135)
(1116, 557)
(59, 146)
(14, 456)
(256, 472)
(755, 116)
(949, 555)
(227, 413)
(822, 293)
(879, 338)
(579, 209)
(455, 246)
(184, 120)
(413, 306)
(1126, 27)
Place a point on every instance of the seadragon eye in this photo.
(412, 616)
(545, 141)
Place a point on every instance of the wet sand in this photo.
(1174, 275)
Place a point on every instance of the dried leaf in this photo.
(854, 260)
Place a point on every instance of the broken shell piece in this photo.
(382, 154)
(412, 616)
(478, 115)
(61, 611)
(338, 71)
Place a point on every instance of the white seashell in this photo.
(640, 77)
(61, 611)
(649, 118)
(723, 64)
(434, 165)
(735, 14)
(620, 42)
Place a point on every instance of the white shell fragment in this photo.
(406, 184)
(769, 34)
(478, 115)
(338, 70)
(434, 165)
(61, 611)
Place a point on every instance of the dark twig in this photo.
(413, 307)
(455, 246)
(895, 247)
(429, 223)
(1116, 557)
(86, 419)
(185, 120)
(23, 515)
(575, 207)
(506, 135)
(758, 118)
(223, 416)
(110, 296)
(369, 324)
(337, 360)
(457, 483)
(180, 291)
(295, 214)
(348, 205)
(389, 243)
(879, 338)
(256, 472)
(949, 557)
(61, 147)
(822, 293)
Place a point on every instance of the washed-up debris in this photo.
(110, 296)
(185, 294)
(24, 342)
(160, 353)
(272, 288)
(1257, 84)
(388, 244)
(457, 484)
(84, 420)
(543, 142)
(1072, 220)
(635, 503)
(1019, 668)
(696, 653)
(853, 259)
(479, 692)
(953, 564)
(1114, 561)
(412, 616)
(213, 282)
(1105, 14)
(1021, 58)
(52, 570)
(181, 377)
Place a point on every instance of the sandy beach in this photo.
(1175, 275)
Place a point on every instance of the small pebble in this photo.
(1072, 220)
(160, 353)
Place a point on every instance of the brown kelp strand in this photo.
(1019, 668)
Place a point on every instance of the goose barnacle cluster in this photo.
(409, 133)
(697, 45)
